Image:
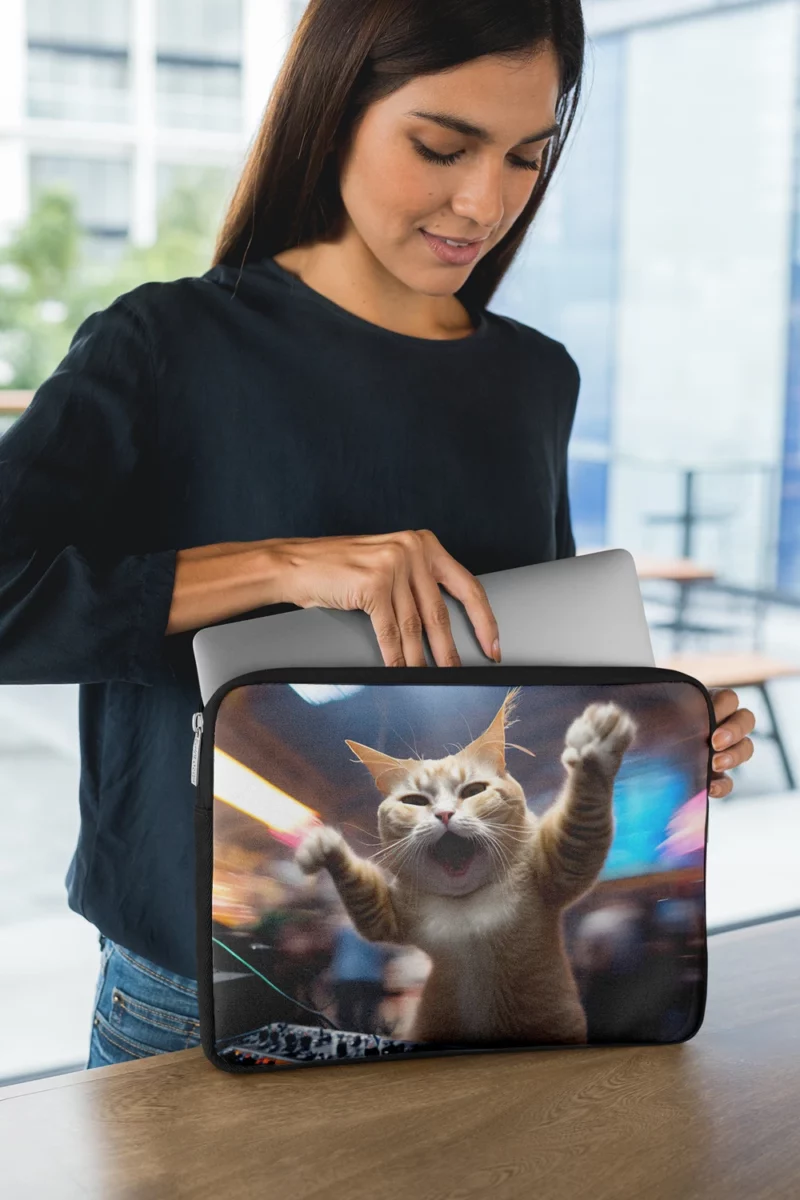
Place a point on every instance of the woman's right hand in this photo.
(394, 578)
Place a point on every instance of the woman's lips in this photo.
(453, 255)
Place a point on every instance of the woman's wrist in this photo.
(225, 579)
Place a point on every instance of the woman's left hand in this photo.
(729, 739)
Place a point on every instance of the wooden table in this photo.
(685, 573)
(713, 1119)
(13, 403)
(678, 570)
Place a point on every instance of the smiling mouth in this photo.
(457, 241)
(453, 853)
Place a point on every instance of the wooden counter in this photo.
(713, 1119)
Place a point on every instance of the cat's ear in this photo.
(490, 747)
(386, 771)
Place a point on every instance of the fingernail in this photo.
(723, 738)
(496, 650)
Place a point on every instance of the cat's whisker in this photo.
(469, 731)
(512, 837)
(394, 846)
(414, 752)
(401, 847)
(495, 844)
(408, 857)
(511, 832)
(524, 749)
(505, 863)
(367, 832)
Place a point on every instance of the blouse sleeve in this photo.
(74, 606)
(565, 539)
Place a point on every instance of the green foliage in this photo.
(50, 280)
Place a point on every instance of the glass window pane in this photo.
(87, 22)
(198, 97)
(77, 87)
(101, 187)
(208, 28)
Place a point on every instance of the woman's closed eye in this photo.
(446, 160)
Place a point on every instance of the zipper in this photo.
(197, 726)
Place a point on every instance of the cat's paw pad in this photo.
(317, 848)
(599, 737)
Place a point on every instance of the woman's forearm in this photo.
(222, 580)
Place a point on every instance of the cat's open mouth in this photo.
(454, 853)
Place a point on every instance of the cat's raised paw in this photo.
(317, 849)
(599, 738)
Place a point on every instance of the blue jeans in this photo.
(139, 1009)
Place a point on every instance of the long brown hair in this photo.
(346, 55)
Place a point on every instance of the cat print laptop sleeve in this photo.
(423, 861)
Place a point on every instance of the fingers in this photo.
(387, 631)
(736, 726)
(409, 623)
(436, 618)
(721, 784)
(395, 579)
(725, 701)
(462, 584)
(738, 754)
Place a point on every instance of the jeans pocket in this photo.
(144, 1009)
(105, 951)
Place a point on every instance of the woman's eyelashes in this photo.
(446, 160)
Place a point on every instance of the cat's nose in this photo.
(444, 817)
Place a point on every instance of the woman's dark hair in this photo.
(346, 55)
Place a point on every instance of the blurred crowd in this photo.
(638, 957)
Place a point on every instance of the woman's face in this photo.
(392, 189)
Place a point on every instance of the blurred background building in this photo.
(665, 257)
(120, 99)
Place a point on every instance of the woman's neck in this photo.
(348, 277)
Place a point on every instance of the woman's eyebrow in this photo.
(448, 121)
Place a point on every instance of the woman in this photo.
(328, 417)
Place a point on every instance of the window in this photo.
(207, 185)
(198, 64)
(676, 290)
(78, 62)
(101, 187)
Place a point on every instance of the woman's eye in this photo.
(473, 789)
(414, 799)
(446, 160)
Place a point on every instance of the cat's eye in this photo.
(414, 798)
(473, 789)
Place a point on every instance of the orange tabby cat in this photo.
(480, 883)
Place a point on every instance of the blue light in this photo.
(645, 800)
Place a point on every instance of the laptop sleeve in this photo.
(420, 861)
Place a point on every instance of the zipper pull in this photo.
(197, 726)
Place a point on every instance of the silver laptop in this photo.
(581, 611)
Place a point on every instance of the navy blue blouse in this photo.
(238, 406)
